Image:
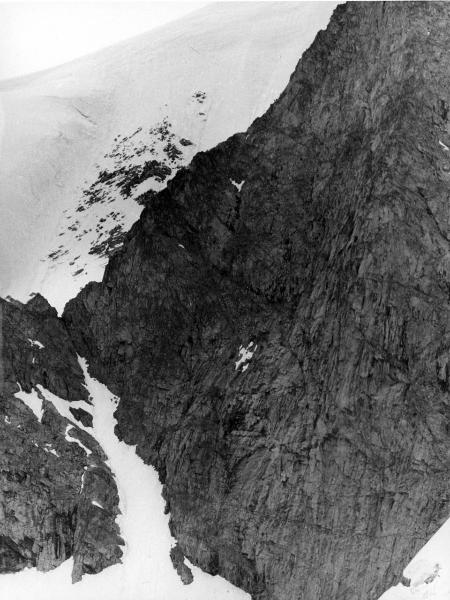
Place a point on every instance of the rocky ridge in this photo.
(276, 323)
(49, 469)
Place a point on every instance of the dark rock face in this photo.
(316, 243)
(47, 483)
(82, 416)
(184, 572)
(276, 326)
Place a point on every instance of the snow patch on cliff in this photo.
(32, 400)
(48, 448)
(245, 354)
(36, 343)
(238, 186)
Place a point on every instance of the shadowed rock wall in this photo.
(317, 468)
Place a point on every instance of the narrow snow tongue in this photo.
(153, 566)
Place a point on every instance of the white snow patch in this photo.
(82, 479)
(245, 354)
(51, 451)
(7, 420)
(148, 184)
(238, 185)
(71, 439)
(428, 572)
(181, 246)
(95, 503)
(446, 148)
(146, 570)
(32, 400)
(36, 343)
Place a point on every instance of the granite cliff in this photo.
(276, 323)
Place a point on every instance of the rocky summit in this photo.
(276, 326)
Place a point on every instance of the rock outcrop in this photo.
(47, 480)
(276, 324)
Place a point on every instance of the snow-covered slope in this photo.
(427, 577)
(146, 570)
(74, 137)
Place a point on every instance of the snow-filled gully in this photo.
(146, 572)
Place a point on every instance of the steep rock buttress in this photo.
(276, 324)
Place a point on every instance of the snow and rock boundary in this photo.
(146, 569)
